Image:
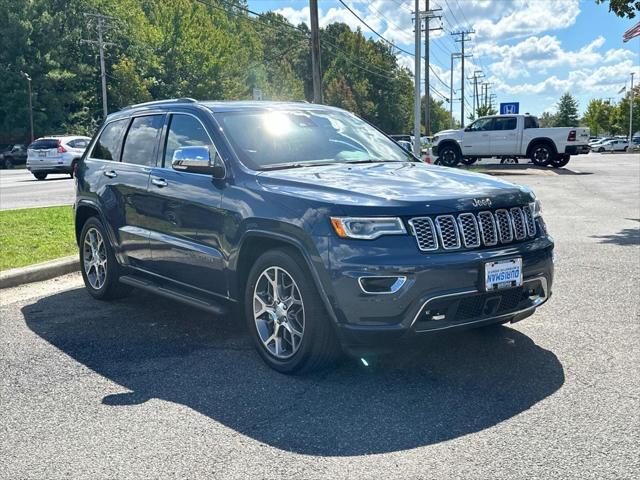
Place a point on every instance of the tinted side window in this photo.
(507, 123)
(481, 125)
(184, 131)
(140, 144)
(108, 145)
(530, 122)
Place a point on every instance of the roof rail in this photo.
(160, 102)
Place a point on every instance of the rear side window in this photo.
(140, 144)
(184, 131)
(79, 143)
(506, 123)
(44, 144)
(108, 145)
(531, 122)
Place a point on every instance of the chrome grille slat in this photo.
(473, 230)
(529, 220)
(469, 230)
(503, 222)
(448, 232)
(488, 228)
(425, 233)
(517, 220)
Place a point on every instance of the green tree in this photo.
(623, 8)
(596, 116)
(567, 114)
(547, 119)
(484, 110)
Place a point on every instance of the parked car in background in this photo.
(55, 154)
(514, 136)
(321, 228)
(617, 145)
(14, 155)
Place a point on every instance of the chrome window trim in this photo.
(433, 232)
(397, 285)
(455, 229)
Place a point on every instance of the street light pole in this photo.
(28, 78)
(631, 110)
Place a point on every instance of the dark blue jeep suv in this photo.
(320, 229)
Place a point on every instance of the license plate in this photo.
(42, 154)
(503, 274)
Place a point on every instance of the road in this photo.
(146, 388)
(20, 189)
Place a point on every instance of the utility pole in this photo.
(453, 55)
(428, 15)
(631, 110)
(485, 95)
(464, 37)
(476, 101)
(315, 52)
(28, 78)
(101, 26)
(416, 104)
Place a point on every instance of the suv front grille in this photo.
(473, 230)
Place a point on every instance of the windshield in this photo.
(266, 140)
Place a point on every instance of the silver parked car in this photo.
(55, 154)
(617, 145)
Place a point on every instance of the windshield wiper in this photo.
(284, 166)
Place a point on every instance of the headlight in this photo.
(367, 228)
(536, 208)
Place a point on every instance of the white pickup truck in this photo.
(513, 136)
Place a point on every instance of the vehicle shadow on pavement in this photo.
(450, 386)
(626, 236)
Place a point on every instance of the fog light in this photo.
(381, 285)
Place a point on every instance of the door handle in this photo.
(110, 174)
(159, 182)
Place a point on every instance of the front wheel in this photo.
(285, 314)
(600, 150)
(449, 156)
(40, 176)
(100, 269)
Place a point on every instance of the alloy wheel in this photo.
(541, 154)
(278, 312)
(94, 256)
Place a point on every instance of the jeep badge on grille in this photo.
(481, 202)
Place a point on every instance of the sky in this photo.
(530, 51)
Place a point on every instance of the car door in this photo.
(476, 139)
(124, 182)
(187, 224)
(503, 136)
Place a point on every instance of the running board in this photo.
(150, 286)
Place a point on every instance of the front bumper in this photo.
(442, 291)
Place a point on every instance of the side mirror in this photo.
(467, 129)
(198, 160)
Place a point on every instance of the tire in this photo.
(40, 175)
(105, 286)
(449, 156)
(600, 150)
(541, 154)
(316, 347)
(625, 149)
(7, 163)
(469, 160)
(560, 160)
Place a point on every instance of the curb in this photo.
(39, 271)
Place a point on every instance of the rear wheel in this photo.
(100, 269)
(449, 156)
(541, 154)
(560, 160)
(40, 175)
(285, 314)
(600, 150)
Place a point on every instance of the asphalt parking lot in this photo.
(146, 388)
(20, 189)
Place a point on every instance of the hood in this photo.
(393, 185)
(447, 132)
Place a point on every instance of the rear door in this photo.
(124, 182)
(187, 221)
(476, 139)
(504, 136)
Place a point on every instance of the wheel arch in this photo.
(253, 244)
(452, 143)
(541, 140)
